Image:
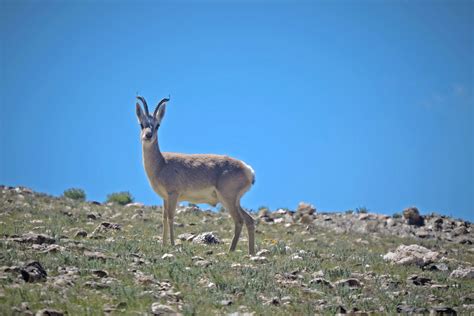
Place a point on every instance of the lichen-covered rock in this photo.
(412, 254)
(186, 237)
(160, 309)
(463, 273)
(351, 283)
(49, 312)
(305, 212)
(207, 238)
(34, 239)
(188, 210)
(33, 272)
(413, 217)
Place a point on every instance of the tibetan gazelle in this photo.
(197, 178)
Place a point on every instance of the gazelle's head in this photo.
(149, 124)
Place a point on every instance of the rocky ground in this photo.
(61, 256)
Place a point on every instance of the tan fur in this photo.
(198, 178)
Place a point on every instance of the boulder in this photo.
(208, 238)
(160, 309)
(413, 217)
(463, 273)
(33, 272)
(412, 254)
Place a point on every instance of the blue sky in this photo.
(339, 103)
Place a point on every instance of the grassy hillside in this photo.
(103, 259)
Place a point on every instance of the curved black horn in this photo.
(159, 104)
(145, 105)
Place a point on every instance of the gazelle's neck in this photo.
(153, 160)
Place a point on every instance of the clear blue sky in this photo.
(338, 103)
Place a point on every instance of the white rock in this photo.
(412, 254)
(160, 309)
(463, 273)
(259, 259)
(263, 252)
(296, 257)
(167, 256)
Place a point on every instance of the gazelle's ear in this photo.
(160, 113)
(139, 113)
(160, 110)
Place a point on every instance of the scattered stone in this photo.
(104, 228)
(436, 267)
(275, 301)
(422, 233)
(263, 252)
(160, 309)
(33, 272)
(321, 281)
(188, 210)
(207, 238)
(296, 257)
(167, 256)
(406, 309)
(136, 205)
(81, 233)
(23, 309)
(264, 212)
(351, 283)
(418, 280)
(225, 303)
(96, 285)
(202, 263)
(442, 310)
(49, 312)
(259, 259)
(34, 239)
(100, 273)
(93, 216)
(463, 273)
(412, 254)
(306, 219)
(186, 237)
(67, 213)
(340, 310)
(412, 216)
(47, 248)
(95, 255)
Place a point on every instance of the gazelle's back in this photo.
(202, 170)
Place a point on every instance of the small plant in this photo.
(362, 210)
(75, 194)
(349, 212)
(121, 198)
(397, 215)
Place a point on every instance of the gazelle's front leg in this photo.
(165, 222)
(171, 208)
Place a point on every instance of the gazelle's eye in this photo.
(141, 125)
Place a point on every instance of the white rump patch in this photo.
(251, 170)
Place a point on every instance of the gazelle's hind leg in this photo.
(165, 222)
(171, 208)
(230, 205)
(250, 224)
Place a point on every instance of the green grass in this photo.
(250, 286)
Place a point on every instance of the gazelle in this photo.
(197, 178)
